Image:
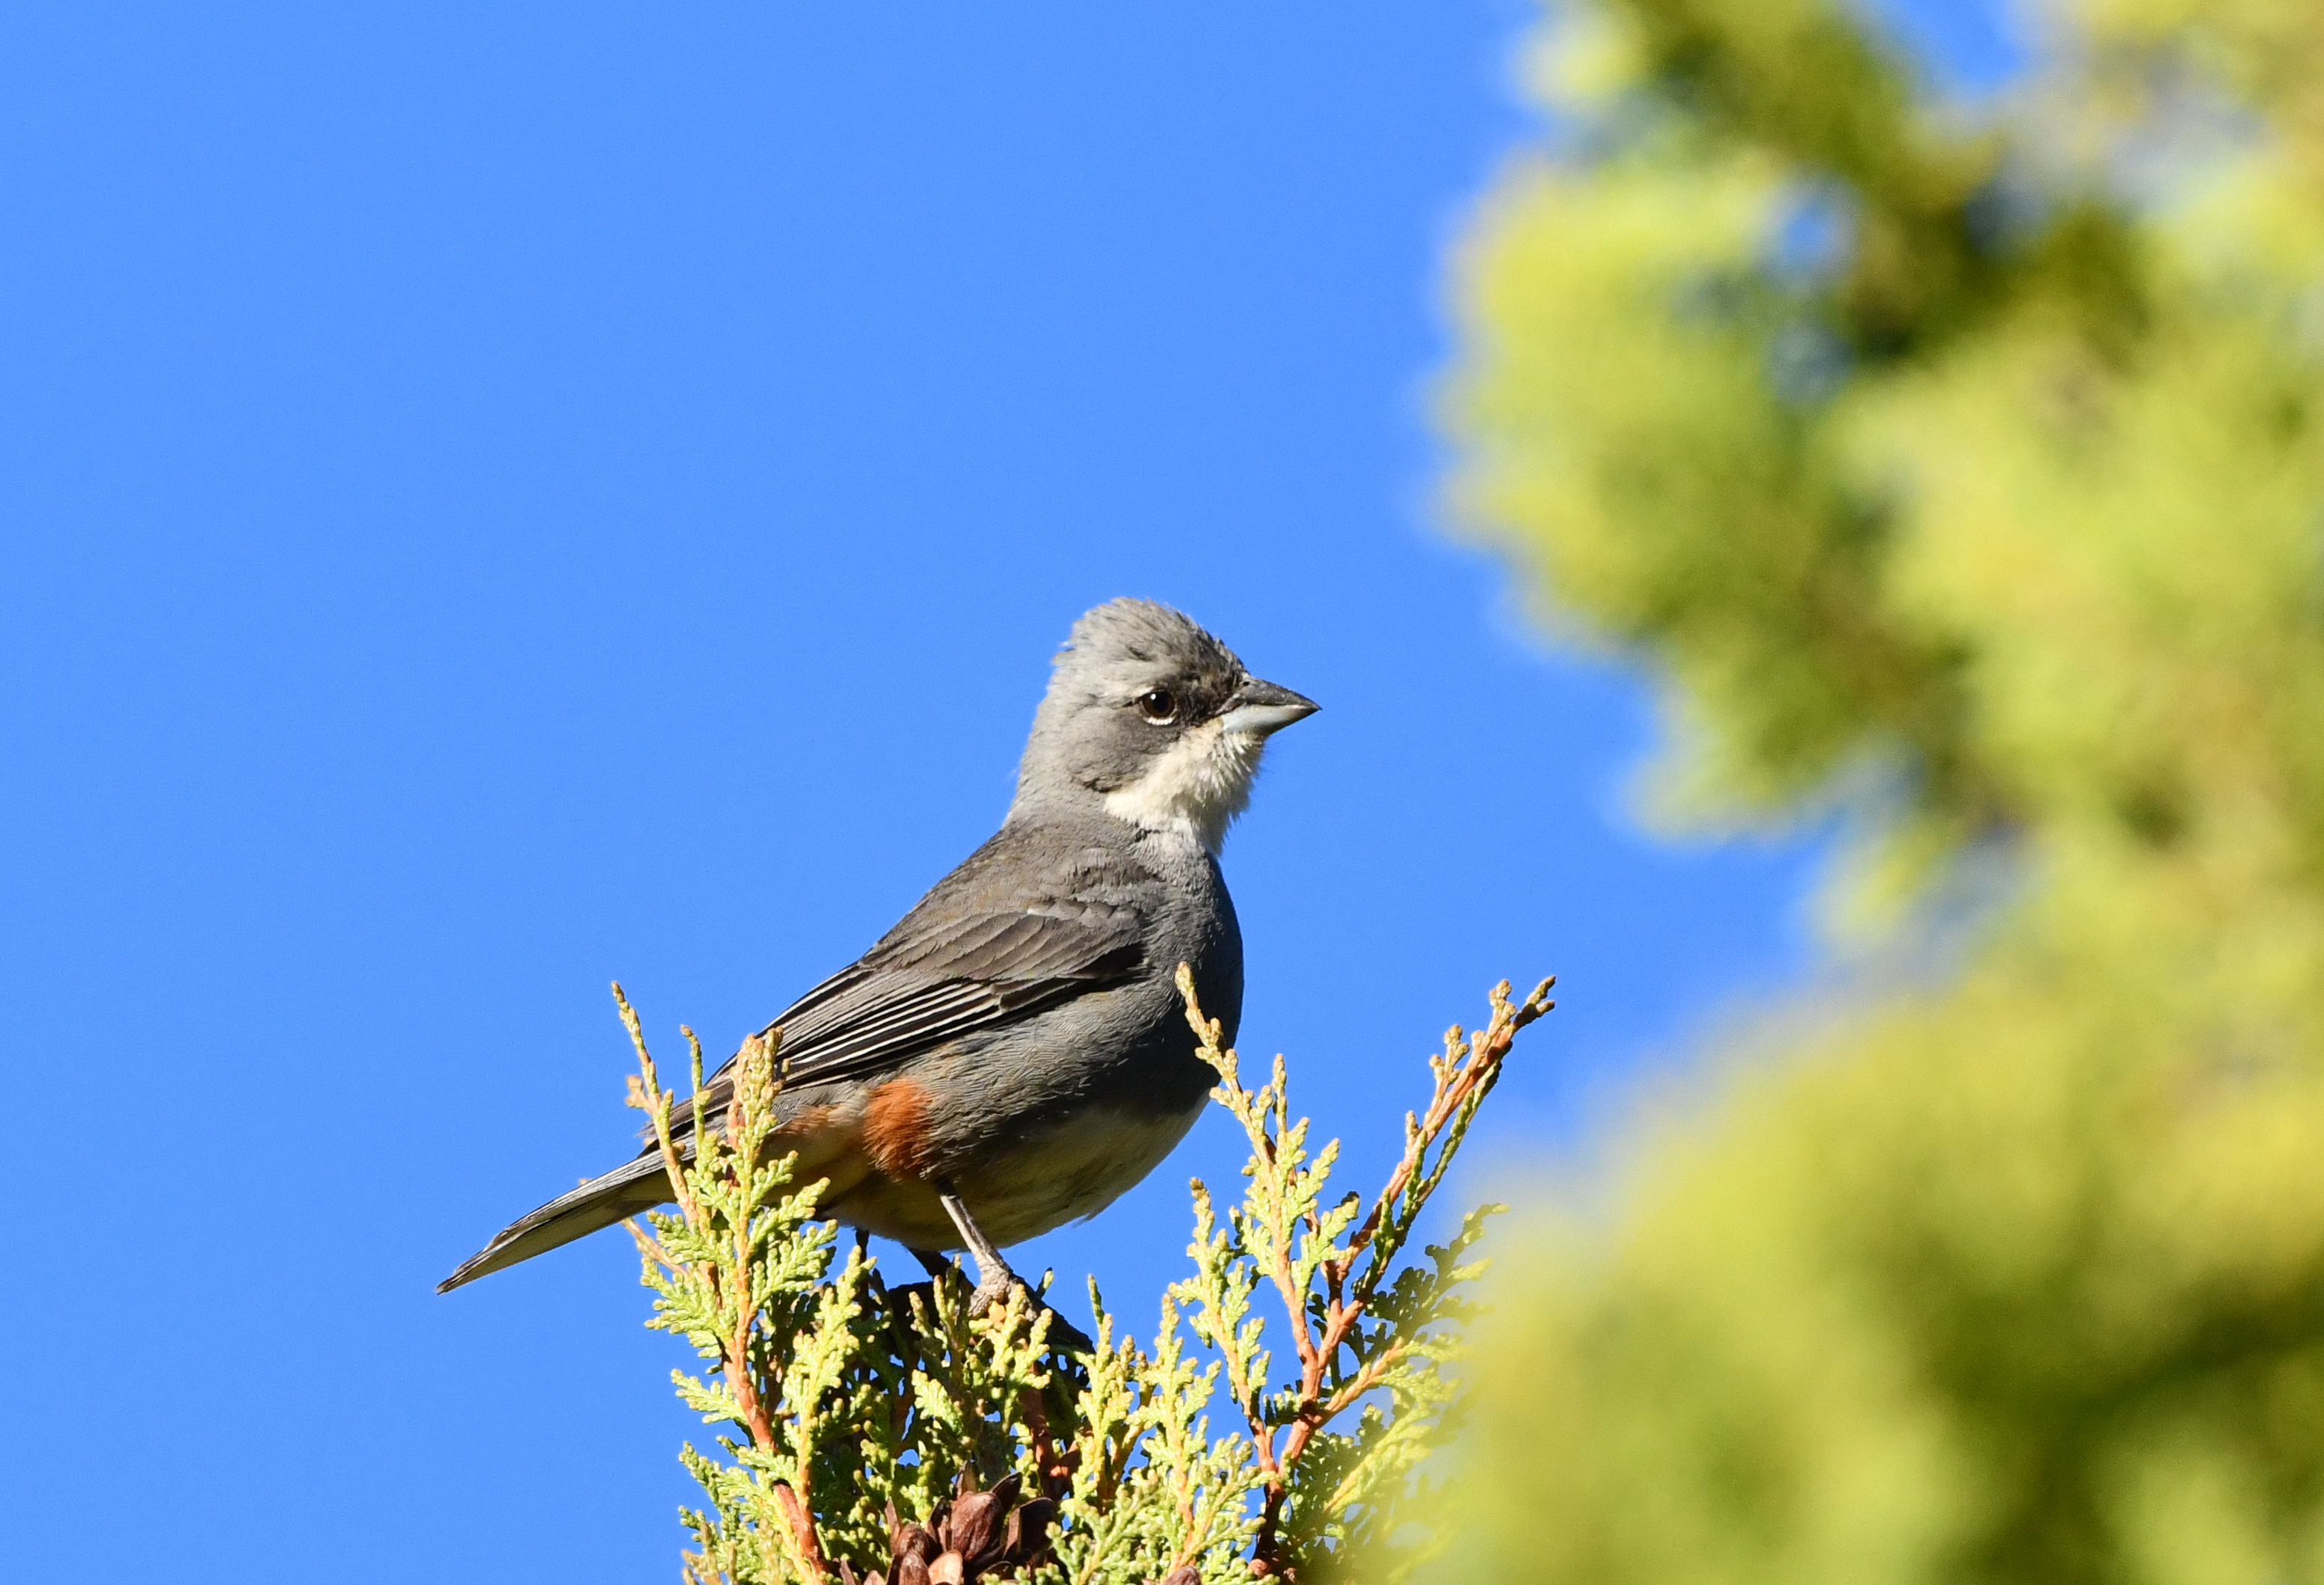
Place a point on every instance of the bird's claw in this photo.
(994, 1288)
(994, 1279)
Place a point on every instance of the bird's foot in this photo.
(992, 1285)
(1062, 1335)
(994, 1279)
(993, 1288)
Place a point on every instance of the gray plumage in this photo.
(1016, 1041)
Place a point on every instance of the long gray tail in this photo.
(632, 1187)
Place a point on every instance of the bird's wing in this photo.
(944, 973)
(971, 971)
(964, 959)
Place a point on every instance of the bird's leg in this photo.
(993, 1278)
(932, 1262)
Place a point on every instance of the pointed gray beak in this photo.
(1261, 707)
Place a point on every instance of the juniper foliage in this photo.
(880, 1435)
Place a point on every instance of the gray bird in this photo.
(1013, 1053)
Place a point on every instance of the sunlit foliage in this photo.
(879, 1435)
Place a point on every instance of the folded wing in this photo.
(941, 975)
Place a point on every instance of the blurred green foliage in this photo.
(1962, 468)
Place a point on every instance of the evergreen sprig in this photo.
(884, 1436)
(1367, 1335)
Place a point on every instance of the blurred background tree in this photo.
(1961, 470)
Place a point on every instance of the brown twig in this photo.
(1455, 1083)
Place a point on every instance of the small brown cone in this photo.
(972, 1538)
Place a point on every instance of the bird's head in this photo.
(1156, 720)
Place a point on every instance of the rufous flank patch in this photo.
(895, 1128)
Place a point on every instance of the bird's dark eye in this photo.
(1158, 706)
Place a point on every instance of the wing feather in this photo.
(918, 990)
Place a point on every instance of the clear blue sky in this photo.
(501, 498)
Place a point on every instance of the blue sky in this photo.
(497, 498)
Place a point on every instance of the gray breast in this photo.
(1127, 1048)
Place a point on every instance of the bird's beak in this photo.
(1261, 707)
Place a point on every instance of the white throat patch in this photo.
(1196, 789)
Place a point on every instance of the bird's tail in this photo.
(632, 1187)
